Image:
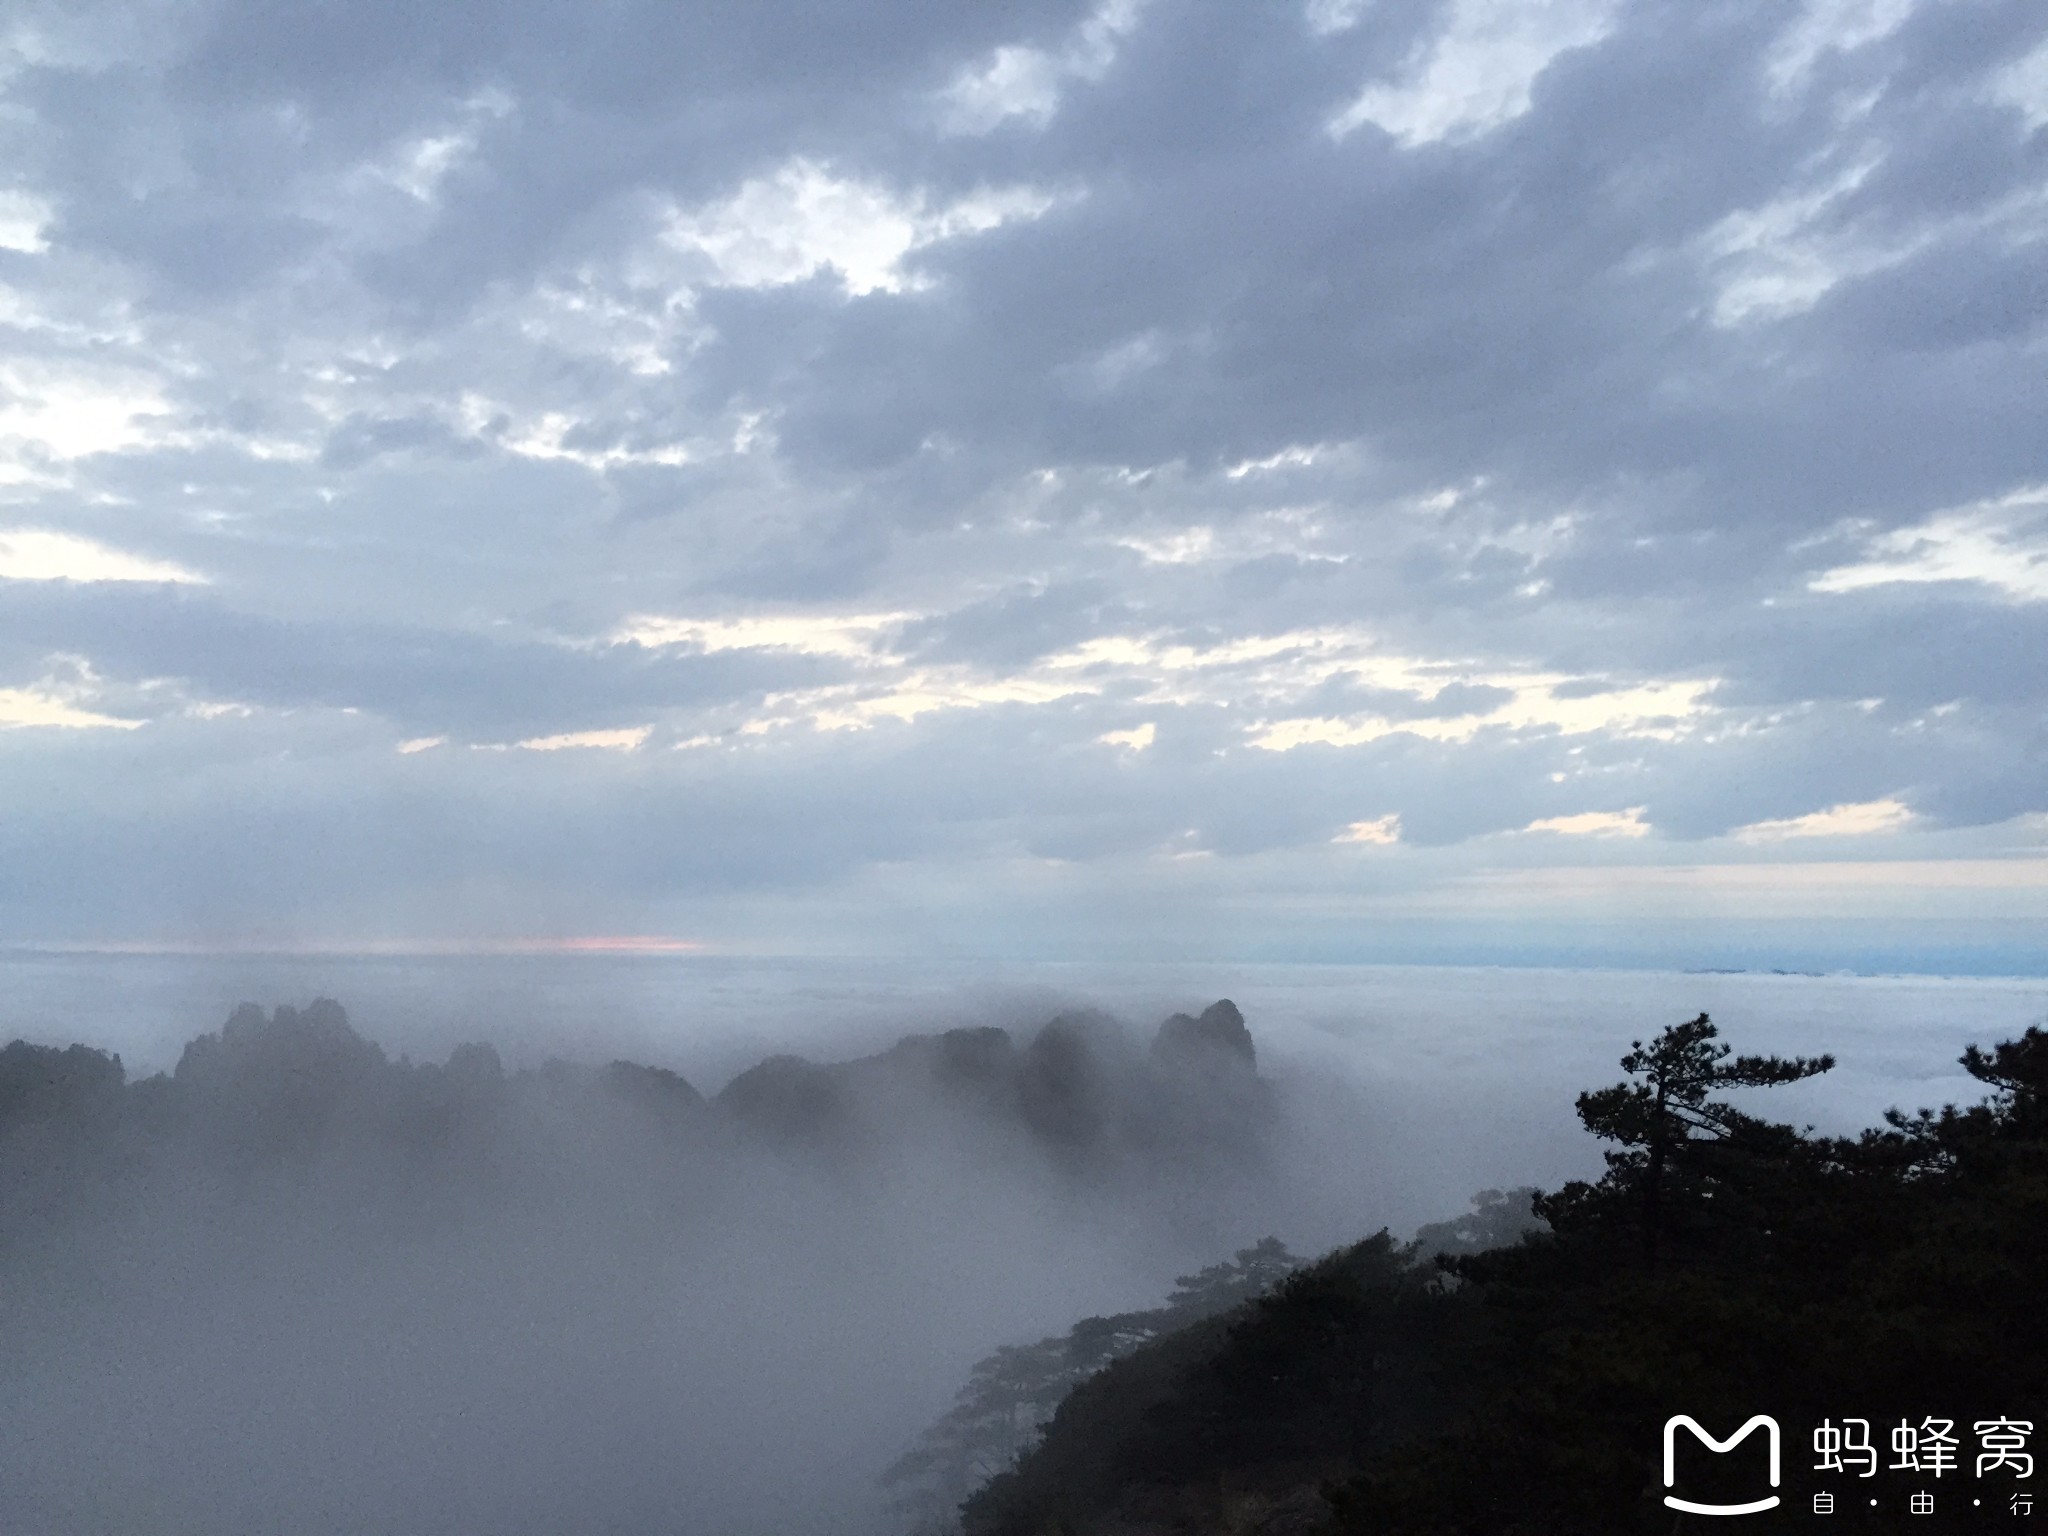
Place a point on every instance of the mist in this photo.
(305, 1283)
(302, 1272)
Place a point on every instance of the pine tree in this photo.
(1669, 1125)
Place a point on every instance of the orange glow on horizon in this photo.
(621, 944)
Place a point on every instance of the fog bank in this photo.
(298, 1284)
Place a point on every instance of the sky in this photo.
(1371, 479)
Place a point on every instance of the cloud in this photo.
(63, 697)
(1780, 258)
(1505, 700)
(1830, 26)
(1773, 890)
(42, 707)
(803, 220)
(23, 219)
(2001, 543)
(1628, 823)
(422, 680)
(56, 412)
(1380, 832)
(1869, 819)
(2023, 84)
(40, 554)
(1019, 81)
(939, 450)
(1478, 72)
(854, 635)
(420, 163)
(630, 739)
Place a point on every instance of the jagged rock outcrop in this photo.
(40, 1082)
(292, 1047)
(1216, 1038)
(272, 1086)
(1083, 1087)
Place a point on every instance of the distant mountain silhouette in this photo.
(306, 1275)
(295, 1085)
(1217, 1039)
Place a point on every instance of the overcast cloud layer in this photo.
(1148, 479)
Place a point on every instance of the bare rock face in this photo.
(1217, 1039)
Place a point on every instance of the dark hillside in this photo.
(1892, 1286)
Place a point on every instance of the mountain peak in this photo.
(1217, 1036)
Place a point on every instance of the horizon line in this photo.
(571, 944)
(664, 946)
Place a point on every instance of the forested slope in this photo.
(1725, 1266)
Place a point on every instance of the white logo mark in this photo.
(1671, 1424)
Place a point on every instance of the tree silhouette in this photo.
(1724, 1266)
(1668, 1125)
(1010, 1395)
